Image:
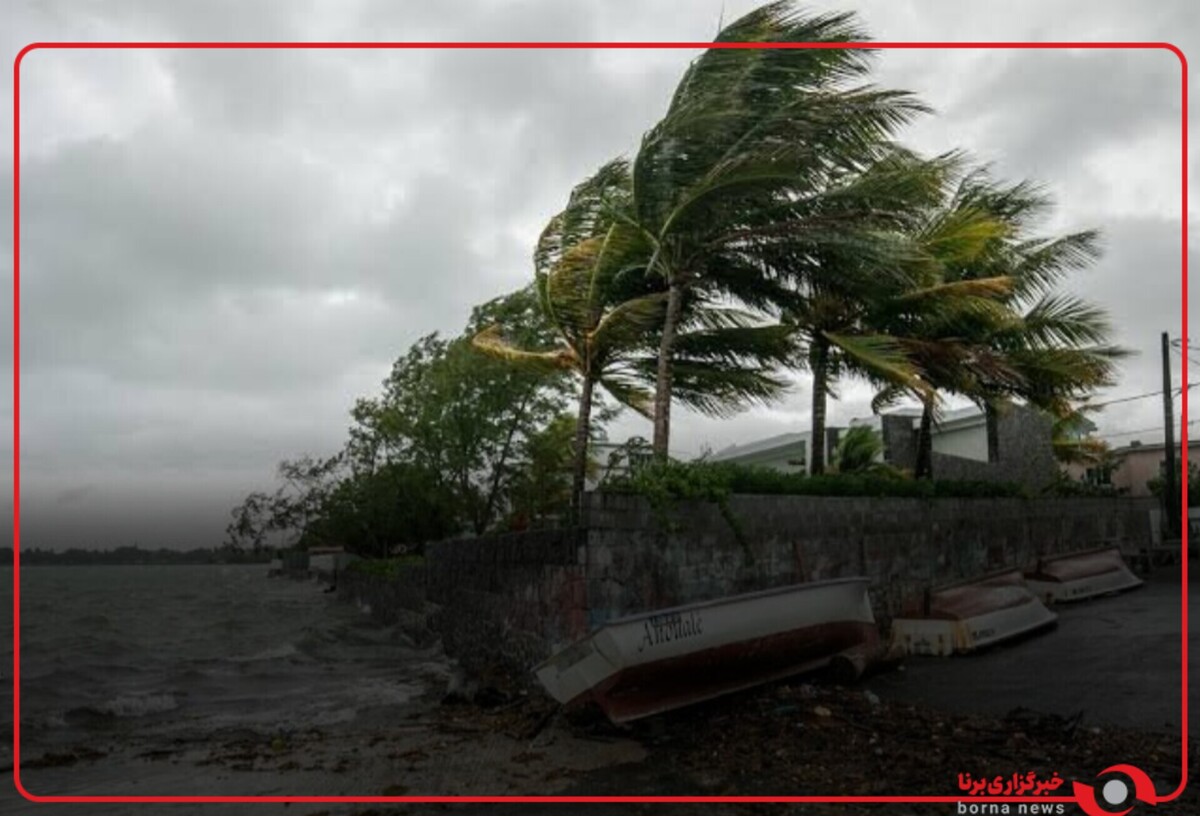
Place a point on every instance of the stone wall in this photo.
(638, 559)
(386, 598)
(512, 599)
(1025, 453)
(508, 597)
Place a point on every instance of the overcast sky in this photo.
(221, 250)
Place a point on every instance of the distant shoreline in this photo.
(133, 557)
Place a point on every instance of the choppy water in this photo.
(175, 653)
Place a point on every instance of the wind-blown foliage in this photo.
(462, 415)
(859, 450)
(590, 270)
(1006, 334)
(743, 171)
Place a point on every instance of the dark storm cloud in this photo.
(221, 250)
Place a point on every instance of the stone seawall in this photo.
(508, 597)
(513, 599)
(638, 558)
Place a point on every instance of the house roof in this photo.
(767, 445)
(970, 415)
(957, 418)
(1152, 447)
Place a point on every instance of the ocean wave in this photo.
(93, 622)
(138, 705)
(274, 653)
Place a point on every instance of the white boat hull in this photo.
(970, 616)
(1079, 576)
(644, 664)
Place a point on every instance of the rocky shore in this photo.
(782, 740)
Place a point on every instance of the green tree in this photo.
(853, 303)
(859, 451)
(1157, 485)
(735, 177)
(305, 484)
(460, 415)
(1004, 333)
(370, 513)
(591, 273)
(1072, 436)
(542, 486)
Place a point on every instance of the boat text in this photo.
(660, 629)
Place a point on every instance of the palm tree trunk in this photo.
(662, 389)
(820, 372)
(582, 427)
(925, 444)
(993, 433)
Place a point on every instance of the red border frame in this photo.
(551, 46)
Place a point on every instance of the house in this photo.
(612, 460)
(1023, 452)
(786, 452)
(1133, 466)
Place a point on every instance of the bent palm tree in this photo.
(856, 303)
(590, 268)
(1021, 340)
(738, 166)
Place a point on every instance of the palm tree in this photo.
(590, 267)
(581, 254)
(1074, 444)
(738, 167)
(855, 302)
(996, 330)
(858, 451)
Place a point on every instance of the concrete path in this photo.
(1116, 659)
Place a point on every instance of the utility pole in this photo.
(1171, 489)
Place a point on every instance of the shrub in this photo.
(663, 482)
(385, 567)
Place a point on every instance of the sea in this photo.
(135, 679)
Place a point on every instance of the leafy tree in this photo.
(591, 274)
(1157, 485)
(288, 512)
(373, 512)
(541, 488)
(859, 450)
(460, 415)
(251, 523)
(736, 175)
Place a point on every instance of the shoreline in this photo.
(781, 740)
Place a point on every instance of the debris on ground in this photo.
(809, 739)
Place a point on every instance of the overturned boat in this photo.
(649, 663)
(971, 614)
(1081, 575)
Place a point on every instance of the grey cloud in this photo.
(1056, 106)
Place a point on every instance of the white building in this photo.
(961, 432)
(786, 452)
(959, 442)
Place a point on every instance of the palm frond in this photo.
(629, 323)
(491, 342)
(629, 393)
(882, 357)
